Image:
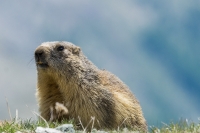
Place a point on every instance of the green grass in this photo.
(181, 127)
(26, 126)
(29, 126)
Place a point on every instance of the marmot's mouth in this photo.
(42, 65)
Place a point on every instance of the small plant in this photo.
(183, 126)
(26, 126)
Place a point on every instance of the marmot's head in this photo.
(59, 56)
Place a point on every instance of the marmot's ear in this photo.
(76, 50)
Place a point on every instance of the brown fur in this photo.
(66, 76)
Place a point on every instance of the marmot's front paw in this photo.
(58, 111)
(61, 109)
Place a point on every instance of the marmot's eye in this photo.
(60, 48)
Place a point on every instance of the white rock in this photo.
(46, 130)
(66, 128)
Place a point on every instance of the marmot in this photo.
(66, 76)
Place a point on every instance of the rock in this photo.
(66, 128)
(46, 130)
(97, 131)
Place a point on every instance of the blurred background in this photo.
(153, 46)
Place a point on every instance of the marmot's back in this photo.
(66, 76)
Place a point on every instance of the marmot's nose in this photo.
(39, 53)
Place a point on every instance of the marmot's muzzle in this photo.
(40, 58)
